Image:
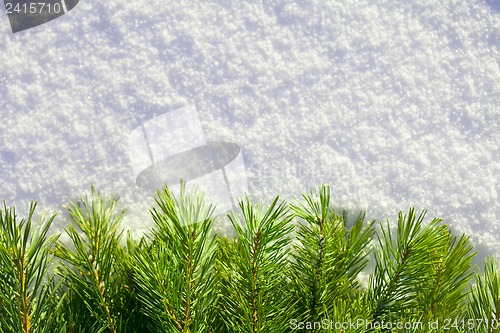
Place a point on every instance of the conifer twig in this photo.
(328, 257)
(26, 287)
(255, 294)
(175, 274)
(404, 265)
(91, 269)
(484, 302)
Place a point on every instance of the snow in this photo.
(394, 104)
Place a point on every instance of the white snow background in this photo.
(392, 103)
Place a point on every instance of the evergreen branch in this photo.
(327, 259)
(484, 303)
(256, 294)
(90, 269)
(404, 264)
(176, 274)
(446, 294)
(24, 261)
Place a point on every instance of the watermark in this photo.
(389, 325)
(278, 175)
(26, 14)
(172, 146)
(327, 324)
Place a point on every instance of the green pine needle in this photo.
(291, 267)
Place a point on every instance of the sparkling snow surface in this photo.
(392, 103)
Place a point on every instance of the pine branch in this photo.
(255, 296)
(24, 280)
(327, 259)
(484, 303)
(175, 274)
(90, 269)
(446, 294)
(404, 265)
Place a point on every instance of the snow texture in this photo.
(392, 103)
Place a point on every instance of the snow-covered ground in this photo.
(393, 103)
